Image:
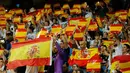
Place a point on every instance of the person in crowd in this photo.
(126, 49)
(31, 35)
(2, 66)
(104, 55)
(117, 47)
(76, 69)
(62, 55)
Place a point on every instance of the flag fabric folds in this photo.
(91, 61)
(35, 52)
(123, 62)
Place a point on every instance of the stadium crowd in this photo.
(64, 43)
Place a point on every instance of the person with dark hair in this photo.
(76, 69)
(126, 49)
(62, 54)
(31, 34)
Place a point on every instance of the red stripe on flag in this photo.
(32, 62)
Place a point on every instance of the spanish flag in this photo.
(84, 5)
(59, 12)
(2, 11)
(122, 62)
(42, 33)
(69, 30)
(11, 11)
(17, 19)
(77, 6)
(66, 6)
(82, 60)
(47, 6)
(79, 36)
(73, 21)
(123, 17)
(108, 42)
(3, 21)
(115, 28)
(18, 11)
(74, 11)
(48, 11)
(56, 29)
(20, 34)
(27, 18)
(93, 26)
(82, 23)
(8, 15)
(38, 16)
(99, 22)
(21, 26)
(30, 53)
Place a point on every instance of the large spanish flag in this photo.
(123, 62)
(31, 53)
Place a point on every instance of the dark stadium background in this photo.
(116, 4)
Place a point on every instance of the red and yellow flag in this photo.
(20, 34)
(27, 18)
(42, 33)
(92, 26)
(30, 53)
(3, 21)
(66, 6)
(77, 6)
(115, 28)
(47, 6)
(18, 11)
(122, 62)
(59, 12)
(17, 19)
(91, 60)
(8, 15)
(99, 22)
(56, 29)
(38, 16)
(2, 11)
(21, 26)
